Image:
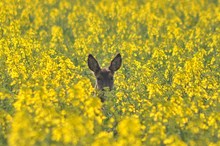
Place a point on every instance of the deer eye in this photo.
(111, 78)
(99, 79)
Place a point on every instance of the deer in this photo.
(104, 76)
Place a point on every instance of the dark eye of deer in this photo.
(111, 78)
(99, 79)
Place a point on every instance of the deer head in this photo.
(105, 76)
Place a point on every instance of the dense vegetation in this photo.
(167, 91)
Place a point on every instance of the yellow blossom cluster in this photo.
(167, 91)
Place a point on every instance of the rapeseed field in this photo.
(167, 91)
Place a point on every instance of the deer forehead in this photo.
(104, 73)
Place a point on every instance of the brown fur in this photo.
(105, 76)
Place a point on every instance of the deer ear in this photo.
(116, 63)
(93, 64)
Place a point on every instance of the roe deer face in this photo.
(105, 76)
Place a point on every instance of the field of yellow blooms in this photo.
(167, 91)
